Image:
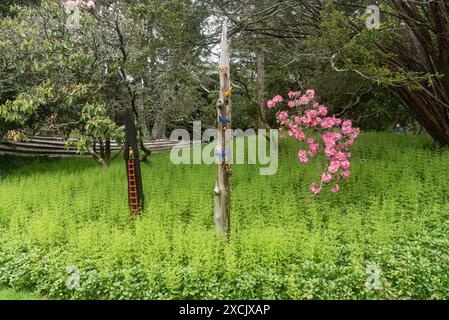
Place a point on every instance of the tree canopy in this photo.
(160, 58)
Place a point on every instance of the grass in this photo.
(8, 294)
(65, 230)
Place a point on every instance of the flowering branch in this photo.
(337, 136)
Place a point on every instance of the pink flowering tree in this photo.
(305, 119)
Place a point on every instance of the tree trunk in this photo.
(222, 191)
(142, 117)
(428, 53)
(145, 151)
(97, 158)
(101, 143)
(429, 114)
(107, 150)
(159, 128)
(260, 59)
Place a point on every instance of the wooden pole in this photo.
(222, 191)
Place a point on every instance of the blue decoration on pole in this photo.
(223, 119)
(223, 154)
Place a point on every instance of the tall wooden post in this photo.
(222, 192)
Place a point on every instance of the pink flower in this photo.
(334, 166)
(336, 188)
(337, 136)
(283, 116)
(354, 134)
(297, 120)
(346, 174)
(346, 127)
(306, 119)
(322, 110)
(327, 123)
(315, 188)
(304, 100)
(273, 102)
(90, 5)
(312, 113)
(302, 156)
(326, 177)
(341, 156)
(330, 122)
(310, 94)
(313, 147)
(345, 164)
(310, 141)
(299, 134)
(278, 99)
(329, 151)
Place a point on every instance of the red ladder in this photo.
(132, 188)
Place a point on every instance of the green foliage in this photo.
(70, 216)
(361, 50)
(51, 77)
(19, 109)
(159, 45)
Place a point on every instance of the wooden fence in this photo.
(55, 147)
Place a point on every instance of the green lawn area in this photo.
(8, 294)
(65, 230)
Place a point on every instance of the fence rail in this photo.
(54, 147)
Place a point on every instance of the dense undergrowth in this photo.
(65, 230)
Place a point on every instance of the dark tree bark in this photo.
(428, 28)
(107, 150)
(159, 128)
(260, 61)
(101, 143)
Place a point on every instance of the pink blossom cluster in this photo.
(273, 102)
(81, 3)
(337, 136)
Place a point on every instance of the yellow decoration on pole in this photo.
(228, 92)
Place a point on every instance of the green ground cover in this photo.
(65, 230)
(9, 294)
